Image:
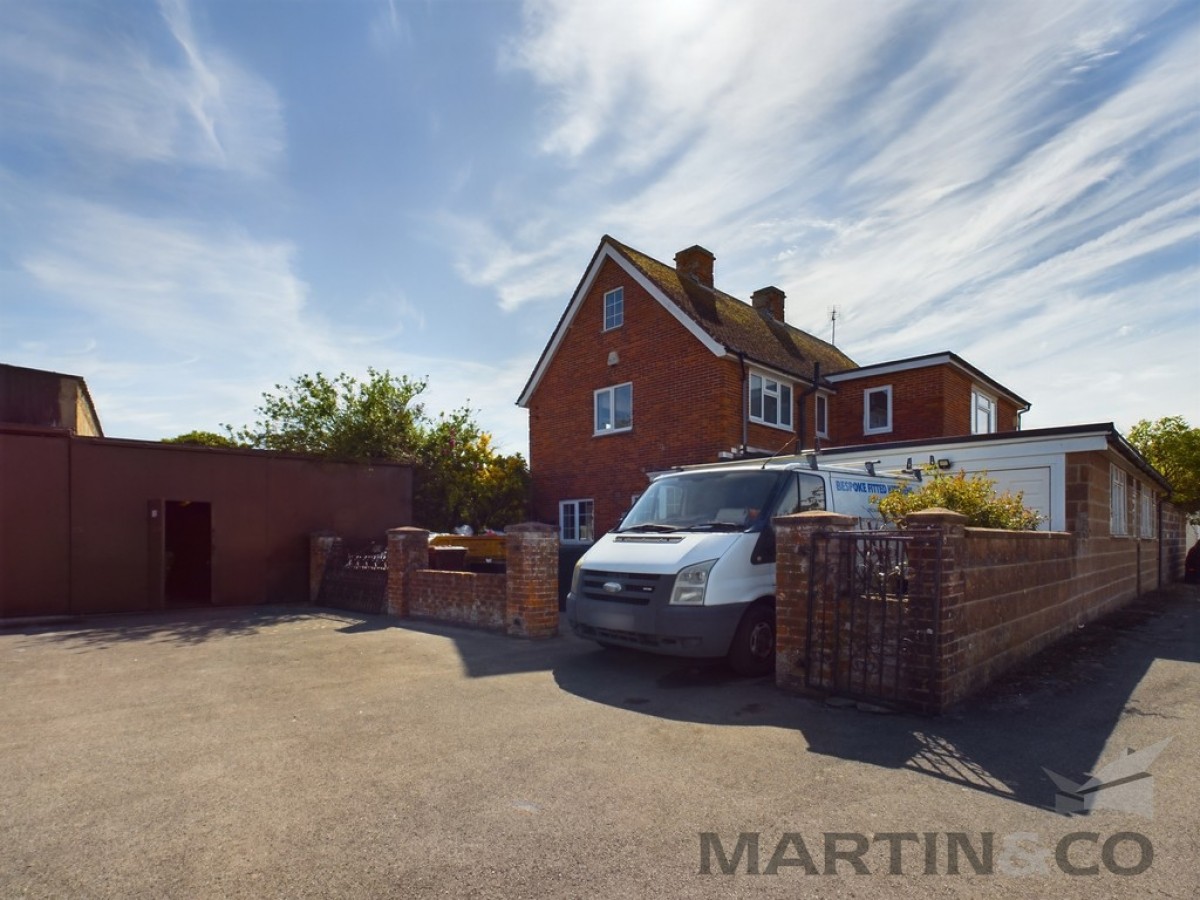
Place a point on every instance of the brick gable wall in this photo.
(687, 405)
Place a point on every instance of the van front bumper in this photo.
(699, 631)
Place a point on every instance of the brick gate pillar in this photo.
(936, 598)
(531, 593)
(793, 554)
(408, 551)
(321, 546)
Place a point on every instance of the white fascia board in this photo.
(789, 378)
(990, 385)
(607, 252)
(923, 362)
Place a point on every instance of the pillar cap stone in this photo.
(816, 517)
(936, 515)
(530, 528)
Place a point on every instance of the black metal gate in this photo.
(873, 616)
(355, 580)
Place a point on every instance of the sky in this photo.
(200, 201)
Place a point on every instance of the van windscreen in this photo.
(704, 501)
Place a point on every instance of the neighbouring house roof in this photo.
(723, 323)
(35, 397)
(920, 362)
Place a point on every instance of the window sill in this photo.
(612, 431)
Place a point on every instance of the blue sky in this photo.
(200, 200)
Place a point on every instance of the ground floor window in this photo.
(575, 521)
(1145, 511)
(1118, 503)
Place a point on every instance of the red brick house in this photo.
(652, 366)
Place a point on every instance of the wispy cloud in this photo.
(96, 90)
(389, 28)
(951, 176)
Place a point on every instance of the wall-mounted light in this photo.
(942, 463)
(613, 358)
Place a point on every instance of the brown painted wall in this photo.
(35, 522)
(102, 546)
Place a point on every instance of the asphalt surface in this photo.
(310, 753)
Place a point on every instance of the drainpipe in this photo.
(745, 403)
(802, 424)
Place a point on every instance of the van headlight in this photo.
(575, 577)
(691, 583)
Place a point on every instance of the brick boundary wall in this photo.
(522, 602)
(322, 545)
(1004, 595)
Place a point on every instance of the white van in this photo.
(690, 571)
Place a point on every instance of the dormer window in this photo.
(614, 309)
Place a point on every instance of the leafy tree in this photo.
(205, 439)
(342, 418)
(972, 495)
(462, 479)
(459, 476)
(1173, 447)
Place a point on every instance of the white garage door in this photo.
(1033, 483)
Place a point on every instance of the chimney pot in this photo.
(696, 262)
(771, 300)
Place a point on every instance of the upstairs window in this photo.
(821, 414)
(770, 401)
(877, 410)
(614, 309)
(983, 413)
(575, 521)
(614, 408)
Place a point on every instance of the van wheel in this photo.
(753, 649)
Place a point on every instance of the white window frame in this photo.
(1118, 503)
(886, 390)
(1146, 518)
(577, 533)
(599, 428)
(614, 308)
(987, 404)
(777, 389)
(821, 423)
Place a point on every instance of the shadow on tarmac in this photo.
(1057, 710)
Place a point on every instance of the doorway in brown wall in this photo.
(187, 540)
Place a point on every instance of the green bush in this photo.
(972, 495)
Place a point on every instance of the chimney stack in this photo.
(771, 300)
(696, 262)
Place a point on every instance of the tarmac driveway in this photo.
(305, 752)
